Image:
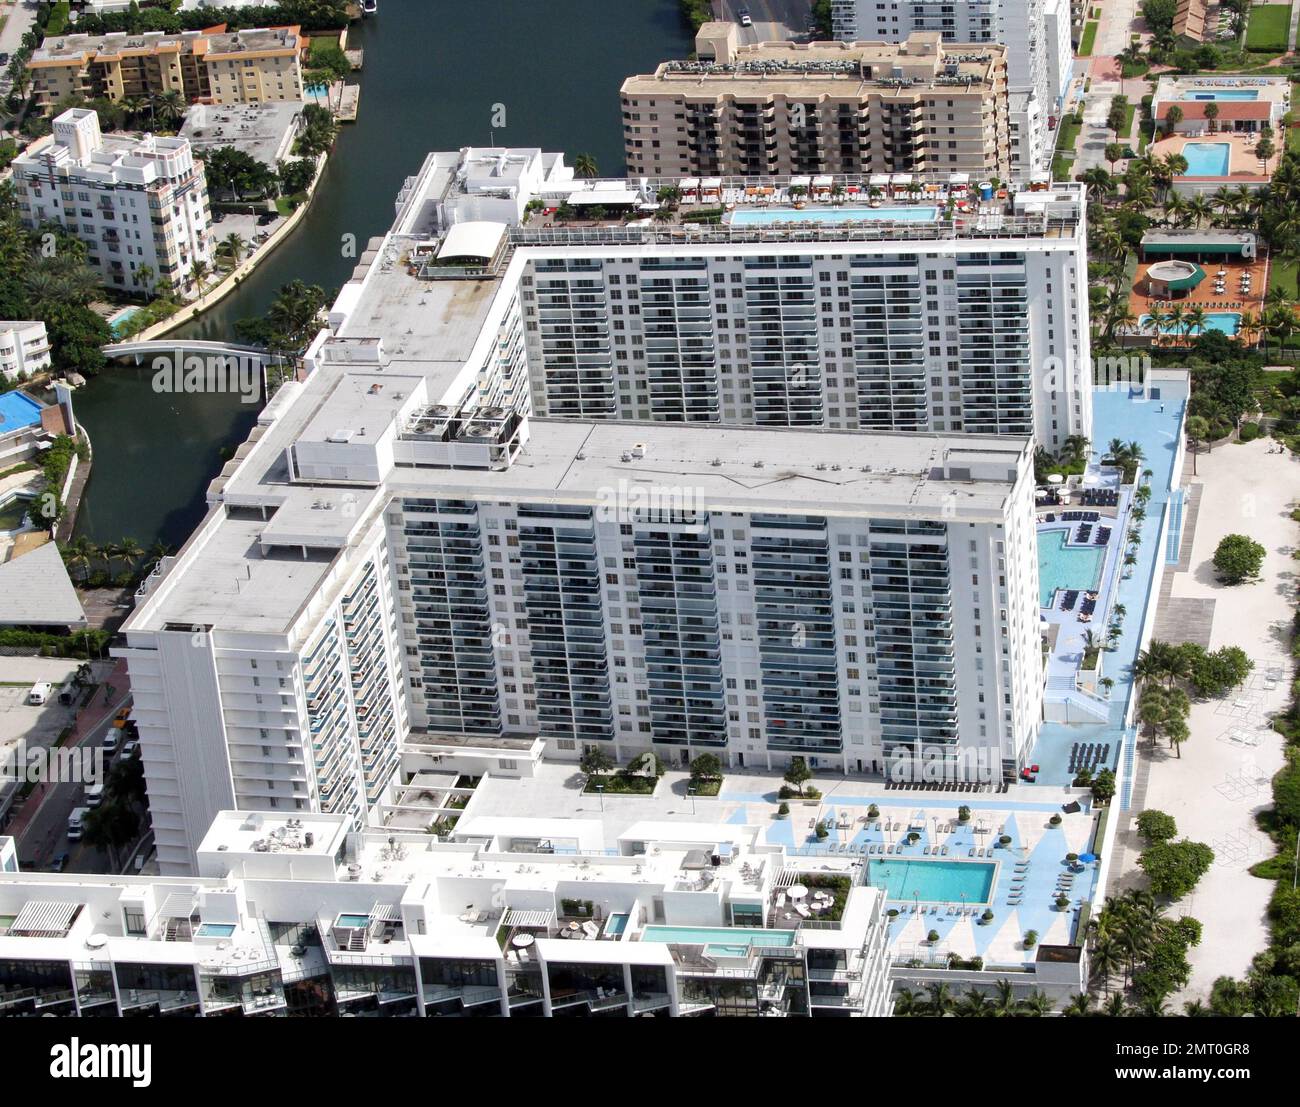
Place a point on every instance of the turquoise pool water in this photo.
(352, 920)
(116, 320)
(18, 411)
(216, 930)
(1062, 566)
(1226, 321)
(933, 881)
(835, 215)
(616, 925)
(1207, 159)
(1227, 94)
(721, 941)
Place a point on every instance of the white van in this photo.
(95, 794)
(39, 693)
(75, 821)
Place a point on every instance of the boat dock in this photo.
(344, 101)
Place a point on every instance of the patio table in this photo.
(797, 892)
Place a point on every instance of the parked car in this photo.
(746, 20)
(130, 750)
(59, 863)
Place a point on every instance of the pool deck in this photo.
(1233, 298)
(1155, 424)
(1070, 626)
(1243, 166)
(1025, 819)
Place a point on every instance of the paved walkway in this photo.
(1295, 23)
(1219, 785)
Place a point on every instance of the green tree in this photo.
(1198, 431)
(596, 761)
(1174, 868)
(1173, 116)
(1156, 826)
(1238, 558)
(706, 766)
(798, 774)
(584, 165)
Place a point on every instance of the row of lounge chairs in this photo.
(1089, 755)
(945, 786)
(1101, 497)
(1080, 516)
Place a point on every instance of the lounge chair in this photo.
(803, 911)
(970, 852)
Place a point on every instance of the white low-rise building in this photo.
(138, 202)
(24, 348)
(516, 917)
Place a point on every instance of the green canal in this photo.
(434, 76)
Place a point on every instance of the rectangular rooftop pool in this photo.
(915, 214)
(1062, 566)
(933, 881)
(719, 941)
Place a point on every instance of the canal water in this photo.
(436, 73)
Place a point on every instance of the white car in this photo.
(130, 750)
(746, 20)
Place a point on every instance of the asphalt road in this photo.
(773, 19)
(45, 836)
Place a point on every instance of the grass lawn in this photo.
(1293, 138)
(1090, 37)
(286, 205)
(1268, 27)
(1067, 134)
(1282, 274)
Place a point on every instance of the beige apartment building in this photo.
(776, 108)
(253, 66)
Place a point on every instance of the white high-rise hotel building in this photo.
(612, 486)
(1036, 34)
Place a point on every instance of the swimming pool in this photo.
(719, 941)
(1062, 566)
(1226, 321)
(118, 318)
(1227, 94)
(1207, 159)
(934, 881)
(353, 921)
(921, 214)
(615, 925)
(18, 411)
(216, 930)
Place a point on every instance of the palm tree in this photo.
(110, 551)
(1075, 447)
(1004, 999)
(1080, 1005)
(168, 107)
(974, 1004)
(134, 106)
(1037, 1005)
(232, 249)
(907, 1002)
(584, 165)
(939, 1001)
(130, 551)
(199, 273)
(1194, 320)
(1200, 209)
(1115, 1007)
